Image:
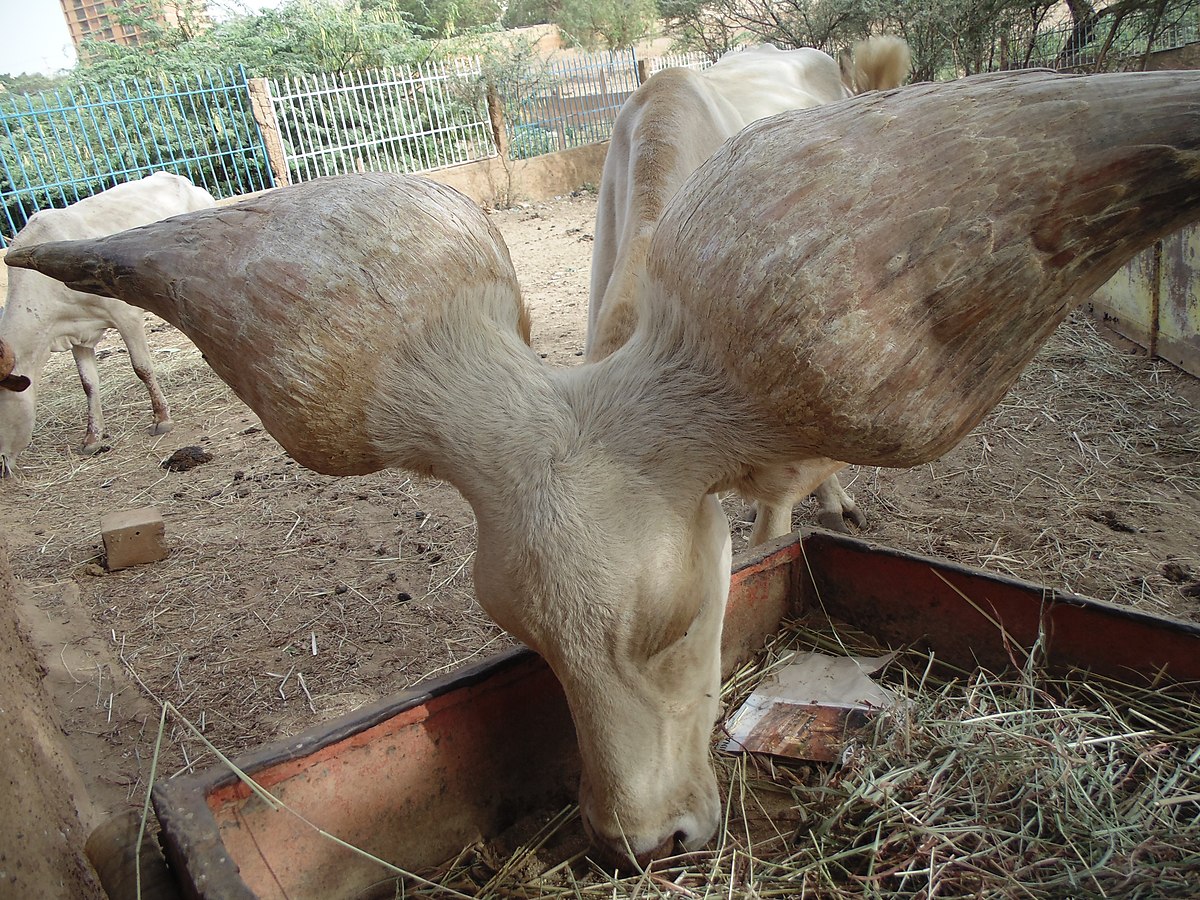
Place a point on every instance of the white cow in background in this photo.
(42, 316)
(665, 131)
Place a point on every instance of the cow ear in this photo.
(323, 305)
(869, 292)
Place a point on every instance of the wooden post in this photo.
(556, 111)
(643, 70)
(495, 107)
(264, 114)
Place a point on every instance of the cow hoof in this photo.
(840, 520)
(94, 448)
(833, 521)
(161, 427)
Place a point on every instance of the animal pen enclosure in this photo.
(1084, 480)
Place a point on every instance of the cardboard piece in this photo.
(811, 708)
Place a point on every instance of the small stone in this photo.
(133, 537)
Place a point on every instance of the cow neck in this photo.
(26, 329)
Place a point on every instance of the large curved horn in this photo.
(896, 259)
(317, 301)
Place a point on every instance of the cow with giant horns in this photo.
(41, 316)
(863, 281)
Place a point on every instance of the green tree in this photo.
(301, 36)
(825, 24)
(30, 83)
(448, 18)
(520, 13)
(612, 24)
(948, 38)
(698, 25)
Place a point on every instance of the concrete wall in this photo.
(498, 182)
(1185, 57)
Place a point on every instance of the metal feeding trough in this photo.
(415, 778)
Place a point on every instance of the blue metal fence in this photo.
(60, 146)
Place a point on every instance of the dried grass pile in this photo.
(1019, 784)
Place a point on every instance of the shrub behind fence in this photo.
(567, 102)
(61, 146)
(383, 121)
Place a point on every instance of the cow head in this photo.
(624, 596)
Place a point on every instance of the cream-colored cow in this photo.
(911, 251)
(664, 132)
(41, 316)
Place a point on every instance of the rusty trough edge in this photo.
(191, 836)
(894, 594)
(904, 598)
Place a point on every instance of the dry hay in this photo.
(1016, 784)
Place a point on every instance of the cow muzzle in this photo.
(636, 848)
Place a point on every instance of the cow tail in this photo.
(877, 64)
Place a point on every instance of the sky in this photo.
(34, 36)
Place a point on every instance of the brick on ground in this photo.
(133, 537)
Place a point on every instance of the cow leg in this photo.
(836, 506)
(776, 489)
(89, 377)
(139, 358)
(771, 520)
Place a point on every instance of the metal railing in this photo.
(567, 102)
(692, 60)
(385, 120)
(60, 146)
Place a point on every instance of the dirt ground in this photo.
(289, 597)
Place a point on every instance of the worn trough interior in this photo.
(415, 778)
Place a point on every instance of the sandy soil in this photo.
(289, 597)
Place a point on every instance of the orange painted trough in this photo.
(415, 778)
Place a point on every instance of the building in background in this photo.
(101, 20)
